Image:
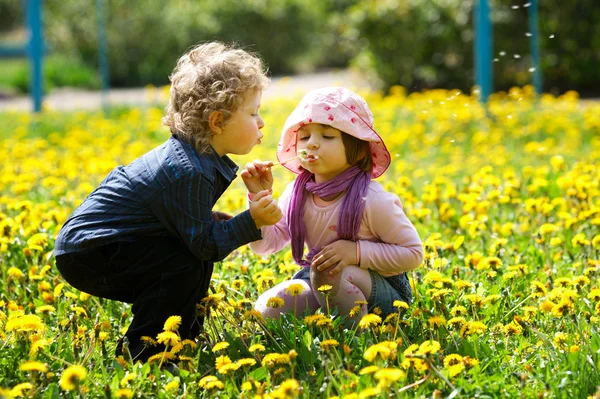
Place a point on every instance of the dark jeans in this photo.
(158, 275)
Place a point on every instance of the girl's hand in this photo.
(257, 176)
(219, 216)
(336, 256)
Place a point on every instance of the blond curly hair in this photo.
(210, 77)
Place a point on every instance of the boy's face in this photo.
(242, 131)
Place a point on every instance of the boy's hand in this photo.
(257, 176)
(336, 256)
(264, 209)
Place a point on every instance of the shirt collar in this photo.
(210, 160)
(223, 164)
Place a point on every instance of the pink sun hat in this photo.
(337, 107)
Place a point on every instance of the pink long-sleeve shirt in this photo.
(389, 243)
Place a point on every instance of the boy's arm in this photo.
(184, 207)
(400, 248)
(277, 236)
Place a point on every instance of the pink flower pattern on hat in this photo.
(340, 108)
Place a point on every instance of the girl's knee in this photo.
(320, 278)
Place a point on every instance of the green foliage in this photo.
(146, 38)
(424, 44)
(11, 14)
(415, 44)
(59, 71)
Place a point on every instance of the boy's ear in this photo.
(215, 122)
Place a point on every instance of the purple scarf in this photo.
(352, 179)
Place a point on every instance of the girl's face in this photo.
(325, 151)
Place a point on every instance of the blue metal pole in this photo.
(102, 52)
(35, 51)
(483, 49)
(535, 47)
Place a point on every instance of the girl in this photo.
(359, 239)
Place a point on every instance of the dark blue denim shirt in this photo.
(171, 190)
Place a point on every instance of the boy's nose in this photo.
(261, 123)
(313, 145)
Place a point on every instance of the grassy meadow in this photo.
(506, 304)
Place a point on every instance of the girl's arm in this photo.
(399, 247)
(277, 236)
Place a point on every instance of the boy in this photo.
(147, 235)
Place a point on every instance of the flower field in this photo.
(506, 304)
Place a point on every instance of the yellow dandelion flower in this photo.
(428, 348)
(148, 341)
(45, 309)
(288, 389)
(580, 281)
(79, 311)
(383, 350)
(25, 323)
(246, 362)
(492, 299)
(436, 321)
(579, 240)
(273, 359)
(33, 365)
(369, 392)
(474, 299)
(127, 379)
(172, 323)
(463, 284)
(563, 307)
(168, 338)
(220, 346)
(210, 382)
(369, 320)
(368, 370)
(401, 305)
(354, 311)
(123, 393)
(473, 327)
(161, 357)
(387, 376)
(329, 343)
(228, 368)
(325, 288)
(275, 302)
(454, 364)
(489, 262)
(254, 315)
(222, 361)
(547, 305)
(72, 377)
(548, 228)
(294, 289)
(513, 328)
(257, 348)
(37, 344)
(190, 343)
(455, 322)
(560, 338)
(20, 389)
(15, 273)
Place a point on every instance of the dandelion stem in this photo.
(517, 306)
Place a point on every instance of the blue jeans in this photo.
(158, 275)
(384, 290)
